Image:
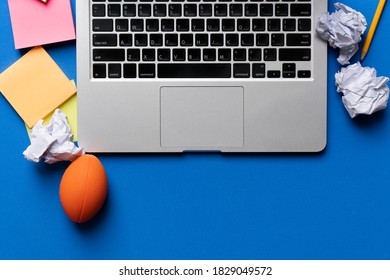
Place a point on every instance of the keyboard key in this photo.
(216, 40)
(281, 10)
(247, 39)
(235, 10)
(182, 24)
(129, 10)
(171, 40)
(163, 54)
(231, 39)
(114, 10)
(303, 10)
(152, 25)
(174, 10)
(156, 40)
(167, 25)
(220, 10)
(209, 54)
(148, 55)
(258, 70)
(98, 10)
(144, 10)
(299, 39)
(224, 55)
(141, 40)
(159, 10)
(104, 40)
(277, 39)
(262, 39)
(254, 54)
(129, 70)
(270, 54)
(228, 24)
(102, 25)
(193, 54)
(241, 70)
(304, 74)
(201, 39)
(273, 74)
(179, 54)
(137, 25)
(197, 24)
(304, 24)
(239, 54)
(251, 10)
(289, 24)
(190, 10)
(266, 10)
(205, 10)
(258, 24)
(99, 71)
(212, 24)
(108, 54)
(243, 24)
(122, 25)
(193, 70)
(295, 54)
(146, 71)
(125, 40)
(186, 40)
(133, 54)
(289, 70)
(274, 24)
(115, 71)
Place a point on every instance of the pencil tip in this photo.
(362, 57)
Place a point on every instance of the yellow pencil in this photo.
(372, 29)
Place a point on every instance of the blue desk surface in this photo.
(331, 205)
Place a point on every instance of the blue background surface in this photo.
(331, 205)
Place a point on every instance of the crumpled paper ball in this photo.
(343, 29)
(363, 92)
(53, 142)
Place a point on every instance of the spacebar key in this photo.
(194, 70)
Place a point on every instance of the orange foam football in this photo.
(83, 188)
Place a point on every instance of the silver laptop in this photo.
(201, 75)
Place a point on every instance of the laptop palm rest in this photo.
(203, 117)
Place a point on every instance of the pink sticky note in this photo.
(35, 23)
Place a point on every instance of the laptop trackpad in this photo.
(202, 116)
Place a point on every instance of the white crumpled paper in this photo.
(53, 142)
(342, 29)
(363, 92)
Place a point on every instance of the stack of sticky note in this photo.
(35, 86)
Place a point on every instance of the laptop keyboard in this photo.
(149, 39)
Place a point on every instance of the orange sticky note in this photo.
(35, 86)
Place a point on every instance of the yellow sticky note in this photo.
(35, 86)
(69, 107)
